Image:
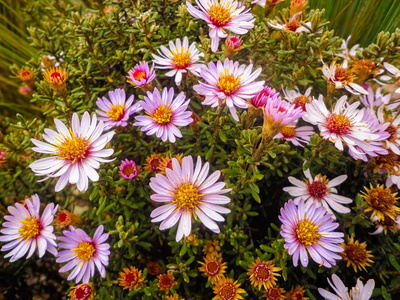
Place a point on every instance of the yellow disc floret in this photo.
(162, 115)
(186, 196)
(29, 228)
(85, 251)
(116, 112)
(228, 83)
(307, 233)
(72, 148)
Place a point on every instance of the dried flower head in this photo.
(212, 267)
(47, 62)
(356, 254)
(191, 240)
(166, 281)
(130, 278)
(154, 268)
(296, 293)
(275, 293)
(153, 163)
(27, 77)
(381, 202)
(262, 274)
(82, 292)
(211, 247)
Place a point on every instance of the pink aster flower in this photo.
(339, 77)
(319, 190)
(310, 231)
(344, 125)
(282, 112)
(180, 58)
(83, 253)
(298, 99)
(186, 191)
(371, 100)
(228, 83)
(263, 96)
(141, 75)
(392, 126)
(222, 15)
(359, 292)
(25, 230)
(75, 153)
(128, 169)
(116, 113)
(296, 135)
(164, 113)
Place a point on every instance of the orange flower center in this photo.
(166, 282)
(72, 148)
(219, 15)
(169, 164)
(301, 101)
(228, 83)
(154, 164)
(116, 112)
(381, 199)
(356, 253)
(307, 233)
(26, 73)
(293, 25)
(139, 75)
(392, 130)
(274, 293)
(129, 170)
(85, 251)
(288, 131)
(30, 228)
(338, 124)
(212, 268)
(162, 115)
(262, 273)
(342, 75)
(227, 291)
(186, 196)
(317, 190)
(181, 60)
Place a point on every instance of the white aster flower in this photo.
(319, 190)
(345, 52)
(371, 100)
(339, 77)
(76, 152)
(222, 15)
(392, 126)
(293, 25)
(394, 71)
(180, 58)
(298, 99)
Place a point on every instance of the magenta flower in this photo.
(233, 42)
(75, 153)
(141, 74)
(25, 230)
(187, 192)
(83, 253)
(180, 58)
(116, 113)
(282, 112)
(128, 169)
(230, 83)
(263, 96)
(222, 15)
(310, 231)
(164, 113)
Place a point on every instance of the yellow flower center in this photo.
(162, 115)
(220, 15)
(338, 124)
(228, 83)
(186, 196)
(288, 131)
(72, 148)
(29, 228)
(85, 251)
(227, 291)
(181, 60)
(116, 112)
(306, 232)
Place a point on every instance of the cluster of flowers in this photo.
(185, 189)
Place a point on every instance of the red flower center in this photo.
(274, 293)
(317, 190)
(212, 268)
(82, 293)
(154, 164)
(56, 75)
(129, 170)
(131, 278)
(227, 291)
(62, 217)
(338, 124)
(293, 25)
(342, 75)
(262, 273)
(296, 295)
(301, 101)
(139, 75)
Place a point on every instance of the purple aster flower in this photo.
(228, 83)
(310, 231)
(75, 153)
(263, 96)
(371, 100)
(83, 253)
(141, 75)
(25, 230)
(180, 58)
(359, 292)
(186, 191)
(296, 135)
(222, 15)
(319, 190)
(164, 113)
(128, 169)
(282, 112)
(117, 112)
